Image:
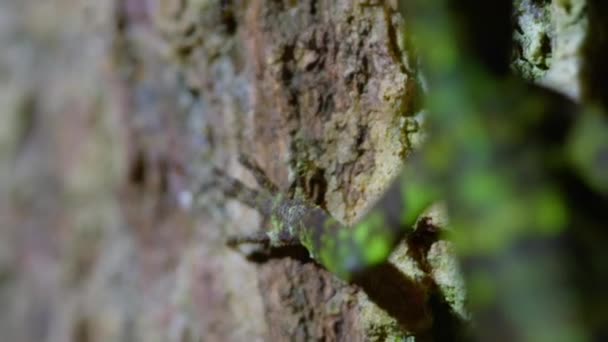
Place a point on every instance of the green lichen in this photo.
(532, 57)
(446, 274)
(409, 267)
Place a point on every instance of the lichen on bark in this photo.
(548, 42)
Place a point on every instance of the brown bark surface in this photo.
(114, 113)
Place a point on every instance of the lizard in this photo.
(510, 160)
(344, 251)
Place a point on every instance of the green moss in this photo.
(373, 240)
(416, 197)
(377, 250)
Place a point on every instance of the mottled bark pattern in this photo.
(114, 112)
(320, 94)
(331, 92)
(332, 88)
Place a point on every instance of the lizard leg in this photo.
(259, 174)
(263, 239)
(259, 200)
(257, 238)
(234, 188)
(258, 245)
(261, 244)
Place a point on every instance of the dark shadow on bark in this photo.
(296, 252)
(446, 325)
(417, 306)
(399, 296)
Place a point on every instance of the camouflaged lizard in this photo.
(496, 153)
(345, 251)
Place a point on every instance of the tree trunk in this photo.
(114, 113)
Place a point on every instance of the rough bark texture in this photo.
(113, 113)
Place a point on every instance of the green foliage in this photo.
(588, 148)
(515, 203)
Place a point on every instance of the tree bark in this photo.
(115, 113)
